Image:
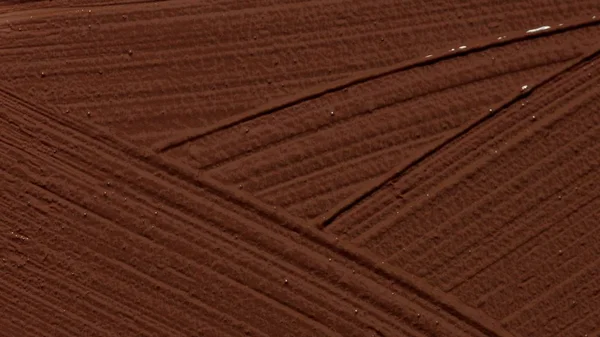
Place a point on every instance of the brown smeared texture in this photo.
(299, 169)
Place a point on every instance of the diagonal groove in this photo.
(318, 91)
(431, 295)
(369, 188)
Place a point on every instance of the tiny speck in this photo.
(523, 88)
(43, 74)
(155, 213)
(89, 114)
(491, 109)
(130, 52)
(356, 311)
(533, 117)
(285, 281)
(329, 259)
(84, 214)
(331, 113)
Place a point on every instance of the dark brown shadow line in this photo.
(371, 187)
(364, 76)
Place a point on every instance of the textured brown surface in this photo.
(299, 168)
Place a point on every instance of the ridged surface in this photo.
(299, 168)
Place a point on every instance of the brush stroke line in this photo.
(370, 188)
(449, 303)
(364, 76)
